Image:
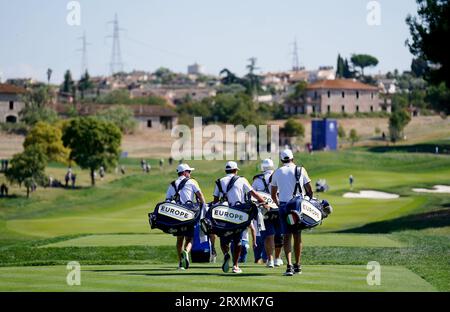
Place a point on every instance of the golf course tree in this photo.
(36, 107)
(84, 84)
(398, 120)
(343, 69)
(49, 138)
(353, 136)
(299, 94)
(229, 78)
(121, 116)
(28, 168)
(341, 132)
(429, 30)
(362, 61)
(294, 129)
(68, 86)
(93, 143)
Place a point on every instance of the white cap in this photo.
(286, 155)
(231, 165)
(183, 168)
(266, 164)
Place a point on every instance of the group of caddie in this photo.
(282, 184)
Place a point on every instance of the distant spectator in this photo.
(6, 165)
(67, 178)
(351, 180)
(383, 135)
(3, 190)
(122, 169)
(74, 179)
(148, 168)
(33, 186)
(170, 160)
(161, 163)
(437, 149)
(101, 171)
(143, 164)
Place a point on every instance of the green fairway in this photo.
(106, 229)
(209, 278)
(329, 240)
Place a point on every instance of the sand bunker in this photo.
(436, 189)
(371, 195)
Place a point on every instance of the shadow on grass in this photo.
(444, 148)
(432, 219)
(184, 273)
(172, 271)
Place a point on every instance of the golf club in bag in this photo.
(173, 218)
(273, 212)
(306, 213)
(224, 220)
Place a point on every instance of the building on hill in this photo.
(338, 96)
(10, 102)
(148, 116)
(195, 69)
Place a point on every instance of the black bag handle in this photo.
(298, 174)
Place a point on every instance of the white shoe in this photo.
(278, 262)
(269, 264)
(237, 270)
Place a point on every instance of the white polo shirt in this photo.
(237, 193)
(258, 184)
(284, 179)
(187, 193)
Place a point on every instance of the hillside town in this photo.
(325, 93)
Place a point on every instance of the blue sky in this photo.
(34, 35)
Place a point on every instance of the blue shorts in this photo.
(189, 233)
(272, 228)
(285, 227)
(236, 239)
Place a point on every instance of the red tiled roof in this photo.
(11, 89)
(341, 84)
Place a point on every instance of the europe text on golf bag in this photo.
(223, 220)
(304, 213)
(175, 218)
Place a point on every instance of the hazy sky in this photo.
(34, 35)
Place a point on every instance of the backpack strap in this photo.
(231, 183)
(298, 187)
(183, 182)
(229, 187)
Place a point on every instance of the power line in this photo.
(116, 64)
(295, 61)
(84, 59)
